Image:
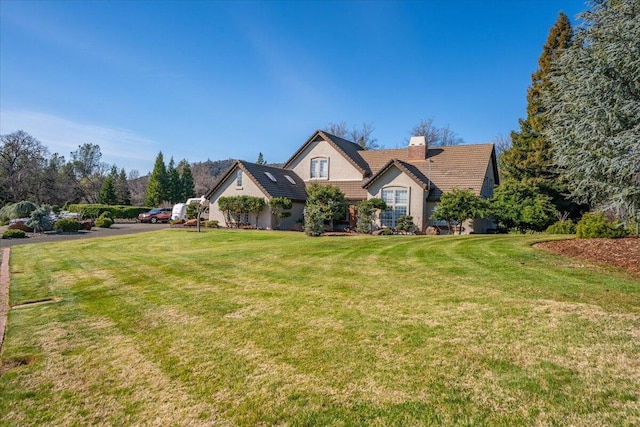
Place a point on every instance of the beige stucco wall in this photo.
(417, 196)
(249, 188)
(340, 169)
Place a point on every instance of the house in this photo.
(410, 180)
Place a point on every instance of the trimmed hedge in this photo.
(116, 211)
(67, 225)
(14, 234)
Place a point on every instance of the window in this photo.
(319, 168)
(397, 200)
(239, 179)
(271, 177)
(290, 179)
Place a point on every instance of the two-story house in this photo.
(410, 180)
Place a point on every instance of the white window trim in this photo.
(239, 179)
(396, 188)
(319, 178)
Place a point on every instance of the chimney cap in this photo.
(417, 140)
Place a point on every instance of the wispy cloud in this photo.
(118, 146)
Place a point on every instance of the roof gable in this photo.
(281, 187)
(349, 150)
(410, 170)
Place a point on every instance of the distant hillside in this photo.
(206, 174)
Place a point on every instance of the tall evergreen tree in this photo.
(158, 183)
(175, 183)
(122, 188)
(530, 158)
(108, 192)
(188, 188)
(261, 160)
(595, 109)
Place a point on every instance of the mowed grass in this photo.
(267, 328)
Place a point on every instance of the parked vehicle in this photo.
(156, 215)
(180, 209)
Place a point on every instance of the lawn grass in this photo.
(272, 328)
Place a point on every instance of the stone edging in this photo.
(4, 293)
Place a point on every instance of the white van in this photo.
(179, 210)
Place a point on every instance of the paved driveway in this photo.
(117, 229)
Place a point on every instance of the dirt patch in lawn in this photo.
(622, 253)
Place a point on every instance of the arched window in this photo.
(397, 200)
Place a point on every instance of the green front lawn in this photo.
(261, 328)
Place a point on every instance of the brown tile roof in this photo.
(352, 190)
(411, 170)
(281, 188)
(456, 166)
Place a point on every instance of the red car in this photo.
(156, 215)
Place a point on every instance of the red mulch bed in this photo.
(622, 253)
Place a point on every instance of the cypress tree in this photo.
(107, 192)
(122, 189)
(175, 184)
(530, 159)
(158, 183)
(188, 188)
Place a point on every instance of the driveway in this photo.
(117, 229)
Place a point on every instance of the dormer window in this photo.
(239, 179)
(319, 168)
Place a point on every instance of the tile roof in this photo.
(280, 188)
(456, 166)
(352, 190)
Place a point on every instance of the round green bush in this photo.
(212, 224)
(14, 234)
(67, 225)
(597, 225)
(562, 227)
(104, 222)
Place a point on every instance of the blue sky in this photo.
(216, 80)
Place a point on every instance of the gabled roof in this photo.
(282, 187)
(411, 170)
(455, 166)
(350, 150)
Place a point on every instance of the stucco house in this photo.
(410, 180)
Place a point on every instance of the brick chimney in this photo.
(418, 148)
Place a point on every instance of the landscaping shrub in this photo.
(212, 224)
(4, 214)
(177, 222)
(41, 219)
(595, 225)
(104, 222)
(386, 232)
(313, 220)
(405, 223)
(14, 234)
(17, 210)
(67, 225)
(562, 227)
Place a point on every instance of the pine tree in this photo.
(175, 183)
(123, 192)
(260, 160)
(530, 159)
(158, 183)
(188, 188)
